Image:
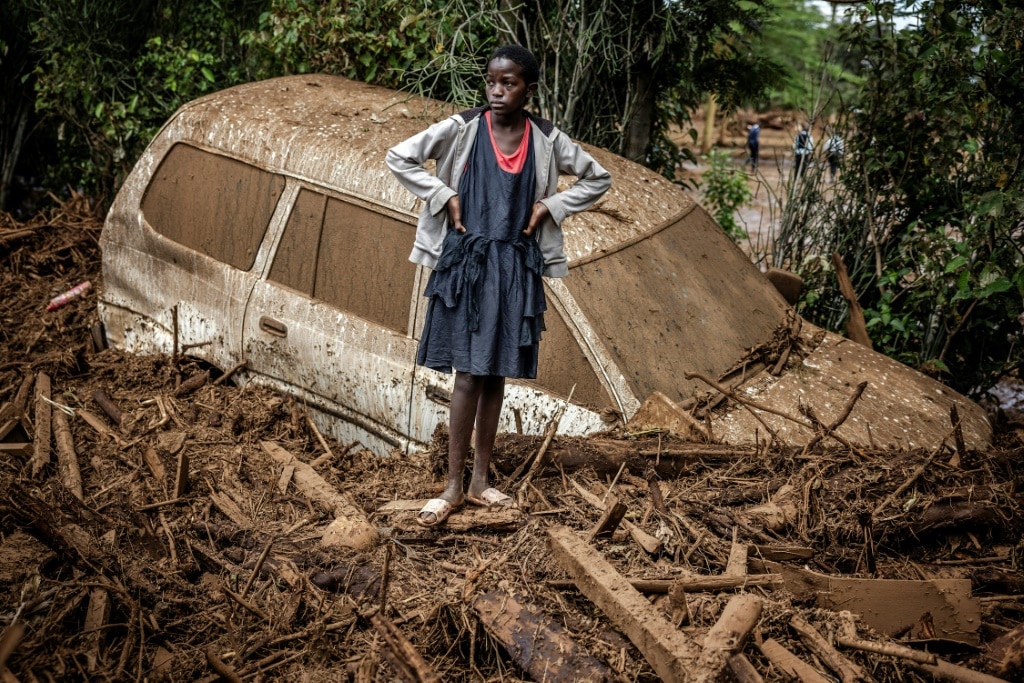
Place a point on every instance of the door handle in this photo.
(274, 327)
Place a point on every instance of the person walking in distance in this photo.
(489, 229)
(835, 148)
(803, 145)
(754, 143)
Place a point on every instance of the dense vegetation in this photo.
(927, 212)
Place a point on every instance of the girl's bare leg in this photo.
(487, 414)
(465, 397)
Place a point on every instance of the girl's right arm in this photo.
(406, 161)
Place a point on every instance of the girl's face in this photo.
(507, 91)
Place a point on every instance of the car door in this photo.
(330, 320)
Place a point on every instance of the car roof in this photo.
(334, 132)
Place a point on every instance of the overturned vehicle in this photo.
(261, 226)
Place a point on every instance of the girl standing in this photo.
(489, 229)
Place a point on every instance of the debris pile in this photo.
(159, 523)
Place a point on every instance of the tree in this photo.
(929, 211)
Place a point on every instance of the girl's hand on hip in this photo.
(540, 212)
(455, 214)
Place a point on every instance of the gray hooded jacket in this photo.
(448, 142)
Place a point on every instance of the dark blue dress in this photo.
(486, 298)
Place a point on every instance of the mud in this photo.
(145, 579)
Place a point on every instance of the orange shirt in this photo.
(510, 163)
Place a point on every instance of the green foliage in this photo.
(928, 212)
(376, 41)
(109, 73)
(726, 190)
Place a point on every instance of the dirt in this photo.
(230, 579)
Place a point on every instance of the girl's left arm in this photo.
(592, 180)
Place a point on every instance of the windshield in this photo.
(681, 299)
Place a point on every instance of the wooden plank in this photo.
(351, 527)
(43, 414)
(156, 467)
(728, 636)
(181, 482)
(542, 647)
(609, 522)
(669, 651)
(742, 670)
(890, 605)
(402, 515)
(789, 663)
(737, 564)
(96, 617)
(649, 543)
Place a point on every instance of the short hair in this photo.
(521, 56)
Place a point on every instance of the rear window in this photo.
(212, 204)
(349, 257)
(682, 299)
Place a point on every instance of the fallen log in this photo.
(350, 528)
(742, 670)
(541, 646)
(108, 406)
(789, 663)
(67, 459)
(669, 652)
(468, 518)
(692, 584)
(609, 455)
(727, 636)
(847, 671)
(43, 412)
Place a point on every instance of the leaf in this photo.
(207, 74)
(955, 263)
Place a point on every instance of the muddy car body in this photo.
(261, 225)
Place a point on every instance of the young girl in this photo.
(489, 229)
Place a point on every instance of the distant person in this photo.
(753, 143)
(834, 150)
(803, 145)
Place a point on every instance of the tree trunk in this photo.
(637, 135)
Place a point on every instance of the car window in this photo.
(349, 257)
(561, 364)
(212, 204)
(683, 299)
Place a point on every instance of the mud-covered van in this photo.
(261, 225)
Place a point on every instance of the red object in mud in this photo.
(61, 299)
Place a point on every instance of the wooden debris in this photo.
(9, 640)
(156, 467)
(613, 513)
(96, 617)
(669, 652)
(402, 513)
(108, 406)
(856, 328)
(541, 646)
(181, 476)
(890, 606)
(1006, 654)
(649, 543)
(742, 670)
(350, 527)
(192, 383)
(847, 671)
(727, 636)
(97, 424)
(43, 412)
(67, 459)
(789, 663)
(401, 654)
(737, 565)
(847, 637)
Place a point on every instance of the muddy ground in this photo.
(190, 553)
